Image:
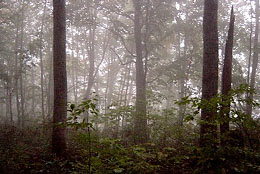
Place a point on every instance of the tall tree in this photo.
(140, 123)
(227, 79)
(255, 57)
(60, 77)
(41, 61)
(208, 130)
(21, 80)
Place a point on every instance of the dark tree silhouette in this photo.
(60, 77)
(208, 130)
(227, 79)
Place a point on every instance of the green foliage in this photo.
(171, 149)
(235, 100)
(74, 119)
(234, 156)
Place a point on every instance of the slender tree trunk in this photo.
(91, 56)
(41, 62)
(127, 84)
(33, 92)
(50, 94)
(250, 47)
(60, 77)
(9, 112)
(255, 59)
(9, 93)
(226, 80)
(181, 95)
(22, 92)
(130, 95)
(107, 86)
(208, 129)
(182, 80)
(17, 73)
(140, 121)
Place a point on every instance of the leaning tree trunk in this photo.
(226, 81)
(208, 130)
(255, 59)
(140, 122)
(60, 77)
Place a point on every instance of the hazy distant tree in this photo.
(227, 78)
(60, 77)
(255, 57)
(140, 128)
(41, 61)
(91, 53)
(208, 129)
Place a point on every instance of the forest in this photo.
(129, 86)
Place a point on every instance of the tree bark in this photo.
(140, 122)
(60, 77)
(226, 81)
(208, 128)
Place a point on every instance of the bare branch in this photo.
(121, 62)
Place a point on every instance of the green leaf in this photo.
(189, 118)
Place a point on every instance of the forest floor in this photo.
(28, 150)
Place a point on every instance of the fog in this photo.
(135, 77)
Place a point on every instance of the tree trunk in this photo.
(91, 55)
(17, 72)
(9, 112)
(250, 46)
(255, 59)
(226, 81)
(140, 122)
(33, 92)
(182, 108)
(41, 62)
(60, 77)
(50, 93)
(21, 70)
(208, 129)
(181, 95)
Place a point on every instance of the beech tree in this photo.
(60, 77)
